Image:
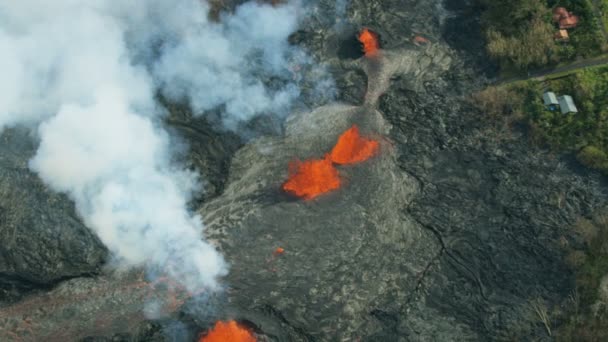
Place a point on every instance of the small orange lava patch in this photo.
(420, 40)
(369, 39)
(352, 148)
(312, 178)
(229, 331)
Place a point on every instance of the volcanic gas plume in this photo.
(84, 76)
(352, 148)
(229, 331)
(369, 39)
(315, 177)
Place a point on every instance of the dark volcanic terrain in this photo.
(448, 234)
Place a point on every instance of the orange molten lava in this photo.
(369, 40)
(352, 148)
(312, 178)
(229, 331)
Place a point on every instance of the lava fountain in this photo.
(312, 178)
(370, 42)
(352, 148)
(229, 331)
(315, 177)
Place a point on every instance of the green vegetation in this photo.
(584, 133)
(532, 47)
(586, 39)
(594, 264)
(594, 158)
(497, 102)
(603, 6)
(520, 33)
(586, 318)
(583, 315)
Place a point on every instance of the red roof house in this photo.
(564, 19)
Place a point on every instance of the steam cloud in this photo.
(341, 7)
(84, 74)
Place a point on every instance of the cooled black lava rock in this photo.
(446, 236)
(43, 239)
(352, 85)
(345, 252)
(208, 148)
(496, 207)
(349, 253)
(500, 208)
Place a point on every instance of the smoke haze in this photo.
(84, 76)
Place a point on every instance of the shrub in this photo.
(497, 101)
(594, 158)
(587, 318)
(532, 46)
(519, 33)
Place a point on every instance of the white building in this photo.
(566, 104)
(550, 99)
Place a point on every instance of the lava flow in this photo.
(352, 148)
(312, 178)
(370, 43)
(229, 331)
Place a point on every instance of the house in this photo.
(550, 100)
(564, 19)
(561, 36)
(566, 104)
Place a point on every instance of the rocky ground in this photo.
(43, 240)
(448, 234)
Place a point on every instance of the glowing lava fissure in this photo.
(229, 331)
(314, 177)
(370, 42)
(311, 178)
(352, 148)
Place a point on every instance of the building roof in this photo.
(549, 98)
(561, 35)
(559, 13)
(568, 22)
(566, 104)
(564, 18)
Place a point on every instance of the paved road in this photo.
(549, 71)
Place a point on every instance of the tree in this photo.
(594, 158)
(533, 45)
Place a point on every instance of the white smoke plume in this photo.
(341, 7)
(211, 64)
(84, 75)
